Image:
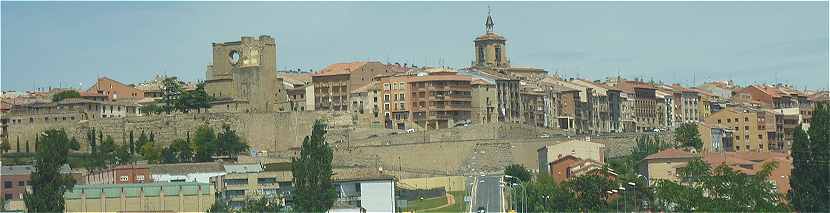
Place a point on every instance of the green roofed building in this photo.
(160, 196)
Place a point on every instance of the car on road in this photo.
(481, 209)
(544, 135)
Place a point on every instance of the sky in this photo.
(71, 44)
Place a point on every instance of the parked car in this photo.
(410, 131)
(544, 135)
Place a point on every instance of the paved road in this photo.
(487, 194)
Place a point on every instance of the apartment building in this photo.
(367, 190)
(16, 181)
(244, 181)
(333, 85)
(533, 107)
(483, 106)
(434, 100)
(751, 130)
(114, 90)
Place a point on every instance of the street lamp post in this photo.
(634, 186)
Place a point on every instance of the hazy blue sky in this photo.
(49, 43)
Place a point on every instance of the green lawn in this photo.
(417, 205)
(457, 207)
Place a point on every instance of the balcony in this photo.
(349, 196)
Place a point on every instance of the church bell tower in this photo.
(490, 48)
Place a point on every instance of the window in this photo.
(7, 196)
(139, 178)
(498, 55)
(728, 120)
(480, 54)
(7, 184)
(746, 127)
(737, 148)
(386, 98)
(21, 183)
(760, 146)
(760, 136)
(747, 147)
(737, 137)
(718, 121)
(124, 178)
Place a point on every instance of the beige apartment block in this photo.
(750, 130)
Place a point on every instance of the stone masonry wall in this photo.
(263, 131)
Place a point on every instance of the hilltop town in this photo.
(402, 135)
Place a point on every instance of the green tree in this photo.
(542, 195)
(48, 184)
(261, 204)
(219, 205)
(181, 150)
(107, 151)
(65, 94)
(171, 91)
(18, 144)
(5, 147)
(591, 191)
(204, 144)
(518, 171)
(168, 155)
(132, 143)
(810, 186)
(694, 171)
(121, 154)
(230, 143)
(820, 147)
(27, 147)
(142, 139)
(92, 141)
(687, 135)
(721, 190)
(152, 153)
(151, 109)
(312, 172)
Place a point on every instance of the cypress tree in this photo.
(801, 184)
(47, 183)
(18, 143)
(312, 172)
(27, 147)
(810, 178)
(92, 142)
(132, 143)
(37, 140)
(152, 137)
(820, 147)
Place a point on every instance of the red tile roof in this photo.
(671, 153)
(341, 68)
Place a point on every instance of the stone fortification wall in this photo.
(263, 131)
